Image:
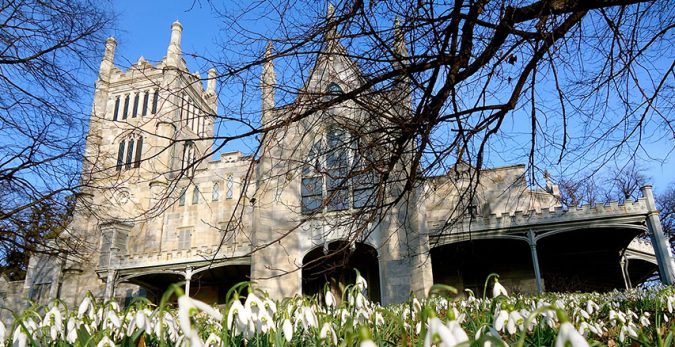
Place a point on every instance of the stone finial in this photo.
(108, 60)
(211, 81)
(331, 26)
(400, 47)
(174, 51)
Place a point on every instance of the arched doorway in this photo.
(466, 264)
(587, 259)
(335, 263)
(208, 284)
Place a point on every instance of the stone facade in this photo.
(152, 213)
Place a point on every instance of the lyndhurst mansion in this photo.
(156, 209)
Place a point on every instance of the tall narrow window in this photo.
(120, 156)
(198, 120)
(126, 107)
(195, 195)
(215, 193)
(230, 187)
(130, 154)
(184, 236)
(136, 100)
(146, 96)
(311, 190)
(337, 165)
(364, 184)
(182, 108)
(181, 199)
(139, 149)
(155, 101)
(204, 127)
(117, 108)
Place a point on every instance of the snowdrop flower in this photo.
(264, 322)
(186, 308)
(442, 335)
(237, 318)
(287, 329)
(86, 306)
(498, 289)
(253, 305)
(327, 332)
(501, 319)
(515, 323)
(330, 299)
(213, 340)
(569, 336)
(105, 342)
(308, 318)
(71, 331)
(367, 343)
(54, 321)
(361, 282)
(644, 320)
(591, 306)
(19, 338)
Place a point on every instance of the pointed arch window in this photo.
(146, 97)
(334, 90)
(195, 195)
(155, 101)
(215, 193)
(338, 174)
(117, 108)
(230, 187)
(181, 199)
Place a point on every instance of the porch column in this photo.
(532, 241)
(624, 271)
(110, 284)
(664, 257)
(188, 278)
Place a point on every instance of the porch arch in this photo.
(334, 263)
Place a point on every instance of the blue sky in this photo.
(144, 30)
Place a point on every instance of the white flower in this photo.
(308, 318)
(569, 336)
(186, 308)
(498, 289)
(361, 282)
(86, 306)
(253, 305)
(19, 338)
(515, 322)
(442, 335)
(501, 319)
(213, 340)
(367, 343)
(237, 318)
(105, 342)
(330, 299)
(327, 332)
(287, 328)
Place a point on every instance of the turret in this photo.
(108, 60)
(173, 54)
(267, 84)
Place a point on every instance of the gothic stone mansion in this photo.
(152, 214)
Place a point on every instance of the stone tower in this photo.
(149, 127)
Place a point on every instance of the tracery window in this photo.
(215, 193)
(337, 175)
(129, 153)
(230, 187)
(333, 90)
(195, 195)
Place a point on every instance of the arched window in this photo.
(230, 187)
(181, 199)
(195, 195)
(337, 175)
(189, 164)
(334, 89)
(215, 193)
